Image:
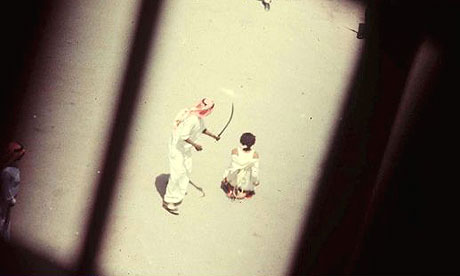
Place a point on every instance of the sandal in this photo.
(171, 207)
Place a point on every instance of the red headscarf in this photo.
(203, 108)
(14, 152)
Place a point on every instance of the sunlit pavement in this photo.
(286, 71)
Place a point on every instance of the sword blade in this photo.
(229, 120)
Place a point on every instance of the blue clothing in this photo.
(9, 187)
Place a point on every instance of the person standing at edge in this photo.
(188, 125)
(9, 185)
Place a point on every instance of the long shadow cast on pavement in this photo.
(160, 183)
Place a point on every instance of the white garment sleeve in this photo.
(8, 183)
(3, 186)
(187, 127)
(255, 171)
(230, 167)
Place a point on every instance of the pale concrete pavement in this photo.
(286, 71)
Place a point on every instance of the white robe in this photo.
(180, 156)
(243, 171)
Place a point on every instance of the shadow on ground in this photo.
(160, 183)
(16, 259)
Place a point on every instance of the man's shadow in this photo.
(161, 182)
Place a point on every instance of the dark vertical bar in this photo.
(401, 157)
(413, 106)
(129, 91)
(352, 163)
(411, 226)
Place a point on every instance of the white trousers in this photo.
(180, 169)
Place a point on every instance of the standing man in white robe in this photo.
(188, 125)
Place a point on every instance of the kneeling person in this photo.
(242, 176)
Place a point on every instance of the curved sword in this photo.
(229, 120)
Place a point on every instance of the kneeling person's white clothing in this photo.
(180, 157)
(243, 170)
